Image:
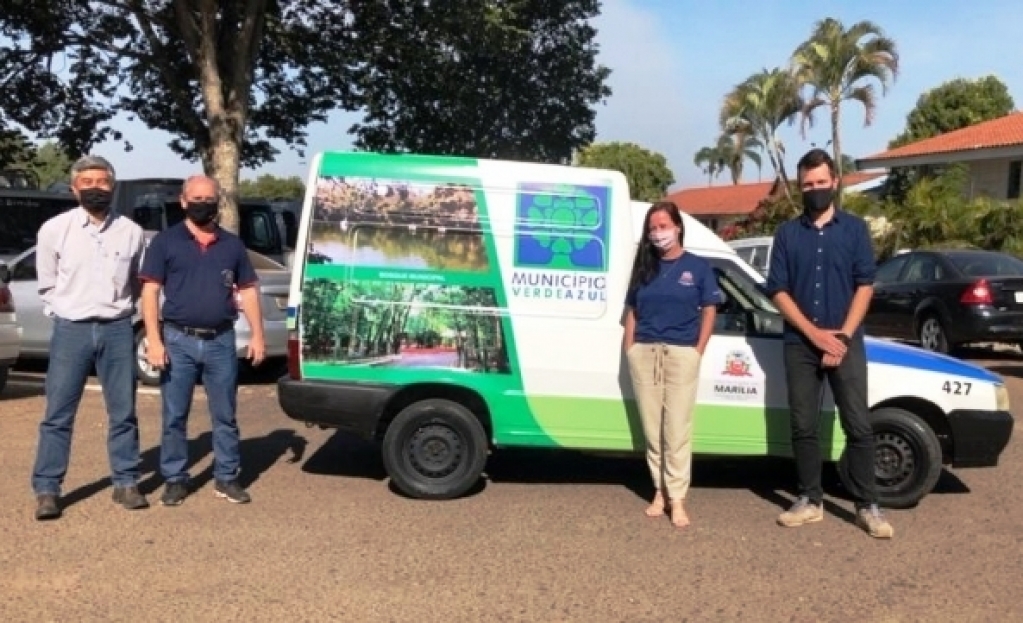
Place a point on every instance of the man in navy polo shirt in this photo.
(199, 266)
(821, 278)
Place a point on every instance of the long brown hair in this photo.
(648, 257)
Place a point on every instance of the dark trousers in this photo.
(805, 376)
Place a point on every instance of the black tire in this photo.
(435, 449)
(143, 371)
(4, 371)
(907, 459)
(932, 335)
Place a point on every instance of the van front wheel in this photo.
(435, 449)
(907, 458)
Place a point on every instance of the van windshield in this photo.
(752, 293)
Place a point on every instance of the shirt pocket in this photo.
(121, 268)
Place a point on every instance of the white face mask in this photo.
(664, 240)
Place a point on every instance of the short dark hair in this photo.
(813, 159)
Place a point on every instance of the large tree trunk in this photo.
(226, 66)
(223, 167)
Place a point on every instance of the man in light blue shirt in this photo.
(88, 260)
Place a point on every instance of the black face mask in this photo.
(201, 213)
(95, 200)
(818, 199)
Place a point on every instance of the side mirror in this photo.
(5, 273)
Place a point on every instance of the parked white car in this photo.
(10, 340)
(36, 327)
(755, 251)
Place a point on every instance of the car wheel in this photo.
(435, 449)
(143, 371)
(932, 335)
(907, 458)
(4, 371)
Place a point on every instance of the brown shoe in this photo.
(130, 498)
(46, 507)
(873, 522)
(802, 512)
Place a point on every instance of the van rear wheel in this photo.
(435, 449)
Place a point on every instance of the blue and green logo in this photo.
(562, 226)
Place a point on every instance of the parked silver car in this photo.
(36, 327)
(9, 339)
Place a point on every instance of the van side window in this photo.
(746, 310)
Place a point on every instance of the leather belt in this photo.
(203, 333)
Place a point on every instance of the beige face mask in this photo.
(664, 240)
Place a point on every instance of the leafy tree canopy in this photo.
(647, 171)
(509, 78)
(272, 187)
(955, 105)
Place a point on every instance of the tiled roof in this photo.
(1001, 132)
(739, 199)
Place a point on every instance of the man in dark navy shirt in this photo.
(200, 268)
(821, 278)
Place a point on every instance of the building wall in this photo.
(990, 178)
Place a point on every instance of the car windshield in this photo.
(987, 264)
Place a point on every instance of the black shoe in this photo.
(232, 492)
(174, 494)
(130, 498)
(46, 507)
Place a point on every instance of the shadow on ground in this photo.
(258, 454)
(770, 478)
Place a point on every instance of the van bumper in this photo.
(978, 437)
(347, 406)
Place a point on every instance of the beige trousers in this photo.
(664, 379)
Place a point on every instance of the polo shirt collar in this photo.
(86, 219)
(187, 232)
(805, 219)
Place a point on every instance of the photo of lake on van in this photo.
(394, 224)
(403, 325)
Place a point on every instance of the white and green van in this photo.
(447, 307)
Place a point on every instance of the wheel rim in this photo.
(141, 361)
(435, 451)
(895, 459)
(930, 334)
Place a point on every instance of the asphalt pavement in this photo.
(546, 536)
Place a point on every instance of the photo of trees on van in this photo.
(394, 224)
(403, 325)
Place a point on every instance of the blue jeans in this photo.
(74, 348)
(215, 361)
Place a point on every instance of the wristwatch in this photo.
(843, 338)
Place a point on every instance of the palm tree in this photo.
(834, 63)
(711, 161)
(736, 149)
(757, 107)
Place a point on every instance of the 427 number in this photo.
(956, 388)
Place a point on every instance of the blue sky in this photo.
(672, 62)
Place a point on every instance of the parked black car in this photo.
(948, 298)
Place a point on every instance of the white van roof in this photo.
(699, 237)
